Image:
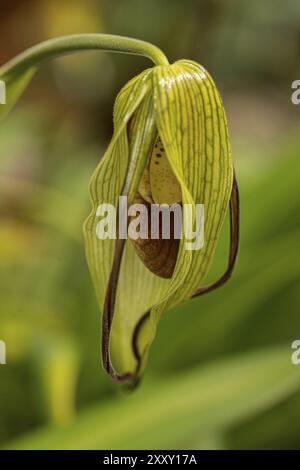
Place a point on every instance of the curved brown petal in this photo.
(234, 241)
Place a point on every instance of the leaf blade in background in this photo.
(205, 401)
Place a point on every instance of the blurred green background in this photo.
(220, 373)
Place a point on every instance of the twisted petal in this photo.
(125, 288)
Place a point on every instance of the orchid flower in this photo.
(170, 146)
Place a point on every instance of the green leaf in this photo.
(56, 364)
(205, 401)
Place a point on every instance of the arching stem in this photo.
(80, 42)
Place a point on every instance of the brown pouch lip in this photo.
(158, 255)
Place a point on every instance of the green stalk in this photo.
(64, 45)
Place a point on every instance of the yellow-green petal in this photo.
(182, 104)
(124, 162)
(192, 125)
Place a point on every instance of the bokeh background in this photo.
(220, 373)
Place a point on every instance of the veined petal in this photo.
(107, 182)
(192, 125)
(184, 107)
(124, 290)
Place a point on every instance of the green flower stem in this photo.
(79, 42)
